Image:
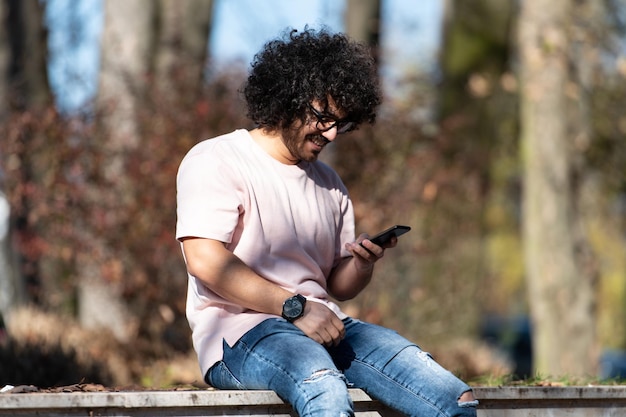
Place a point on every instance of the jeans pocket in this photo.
(219, 376)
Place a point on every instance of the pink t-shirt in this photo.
(289, 223)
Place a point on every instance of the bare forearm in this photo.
(226, 275)
(353, 274)
(240, 285)
(349, 278)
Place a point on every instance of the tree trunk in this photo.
(182, 47)
(5, 55)
(28, 79)
(126, 50)
(362, 20)
(153, 54)
(559, 295)
(127, 46)
(23, 87)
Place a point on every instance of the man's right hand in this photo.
(321, 324)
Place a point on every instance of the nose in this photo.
(330, 134)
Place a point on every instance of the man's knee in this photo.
(327, 393)
(323, 373)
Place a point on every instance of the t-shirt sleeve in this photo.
(208, 198)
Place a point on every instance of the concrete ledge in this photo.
(166, 403)
(599, 401)
(589, 401)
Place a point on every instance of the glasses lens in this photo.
(325, 123)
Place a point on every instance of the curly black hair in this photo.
(292, 71)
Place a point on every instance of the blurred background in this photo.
(501, 142)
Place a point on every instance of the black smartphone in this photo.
(386, 235)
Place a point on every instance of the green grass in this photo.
(542, 381)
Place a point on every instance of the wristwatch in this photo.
(293, 308)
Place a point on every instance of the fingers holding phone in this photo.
(373, 248)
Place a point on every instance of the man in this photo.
(267, 233)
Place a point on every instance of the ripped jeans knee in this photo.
(324, 373)
(325, 394)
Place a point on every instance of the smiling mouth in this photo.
(319, 140)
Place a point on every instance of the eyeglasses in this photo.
(325, 122)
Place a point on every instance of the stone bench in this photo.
(595, 401)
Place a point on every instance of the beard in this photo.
(304, 147)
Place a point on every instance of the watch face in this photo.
(292, 308)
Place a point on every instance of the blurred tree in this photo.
(5, 55)
(126, 49)
(27, 77)
(23, 88)
(182, 46)
(144, 44)
(476, 114)
(560, 287)
(362, 22)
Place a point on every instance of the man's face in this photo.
(305, 141)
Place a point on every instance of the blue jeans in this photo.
(276, 355)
